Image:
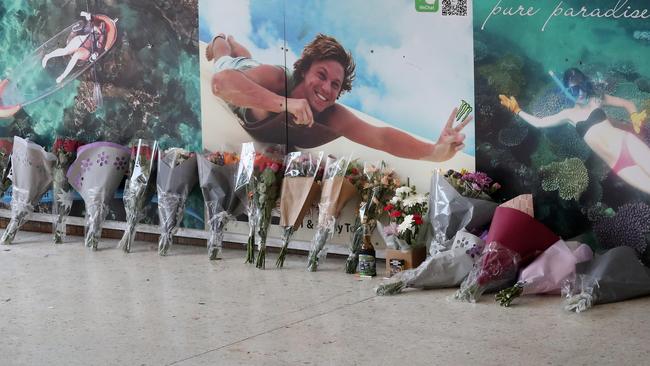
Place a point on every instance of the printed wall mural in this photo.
(562, 112)
(103, 70)
(376, 81)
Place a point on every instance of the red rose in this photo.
(58, 144)
(417, 219)
(145, 151)
(260, 162)
(395, 214)
(70, 146)
(388, 207)
(6, 145)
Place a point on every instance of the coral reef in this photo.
(505, 75)
(569, 177)
(629, 226)
(548, 102)
(514, 134)
(625, 69)
(566, 143)
(598, 212)
(643, 84)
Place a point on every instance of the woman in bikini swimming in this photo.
(622, 150)
(85, 42)
(256, 93)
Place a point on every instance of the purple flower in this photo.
(478, 179)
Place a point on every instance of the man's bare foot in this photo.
(218, 47)
(237, 49)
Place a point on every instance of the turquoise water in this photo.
(149, 79)
(149, 67)
(568, 41)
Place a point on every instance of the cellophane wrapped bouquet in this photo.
(96, 174)
(260, 171)
(300, 190)
(216, 172)
(177, 175)
(65, 151)
(139, 187)
(31, 177)
(338, 188)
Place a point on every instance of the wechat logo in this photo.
(430, 6)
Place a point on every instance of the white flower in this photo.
(420, 198)
(402, 190)
(410, 201)
(395, 200)
(406, 224)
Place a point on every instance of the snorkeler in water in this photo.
(84, 43)
(622, 150)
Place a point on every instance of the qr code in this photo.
(454, 7)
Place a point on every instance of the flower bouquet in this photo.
(378, 188)
(138, 188)
(515, 238)
(6, 146)
(616, 275)
(216, 170)
(96, 174)
(337, 189)
(300, 190)
(261, 174)
(177, 174)
(406, 211)
(459, 200)
(65, 151)
(548, 272)
(447, 268)
(31, 176)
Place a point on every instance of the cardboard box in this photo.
(399, 260)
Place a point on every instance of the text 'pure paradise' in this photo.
(620, 10)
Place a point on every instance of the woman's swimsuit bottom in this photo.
(625, 159)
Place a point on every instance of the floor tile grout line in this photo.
(269, 331)
(307, 307)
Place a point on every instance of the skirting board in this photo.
(186, 233)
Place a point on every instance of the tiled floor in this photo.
(66, 305)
